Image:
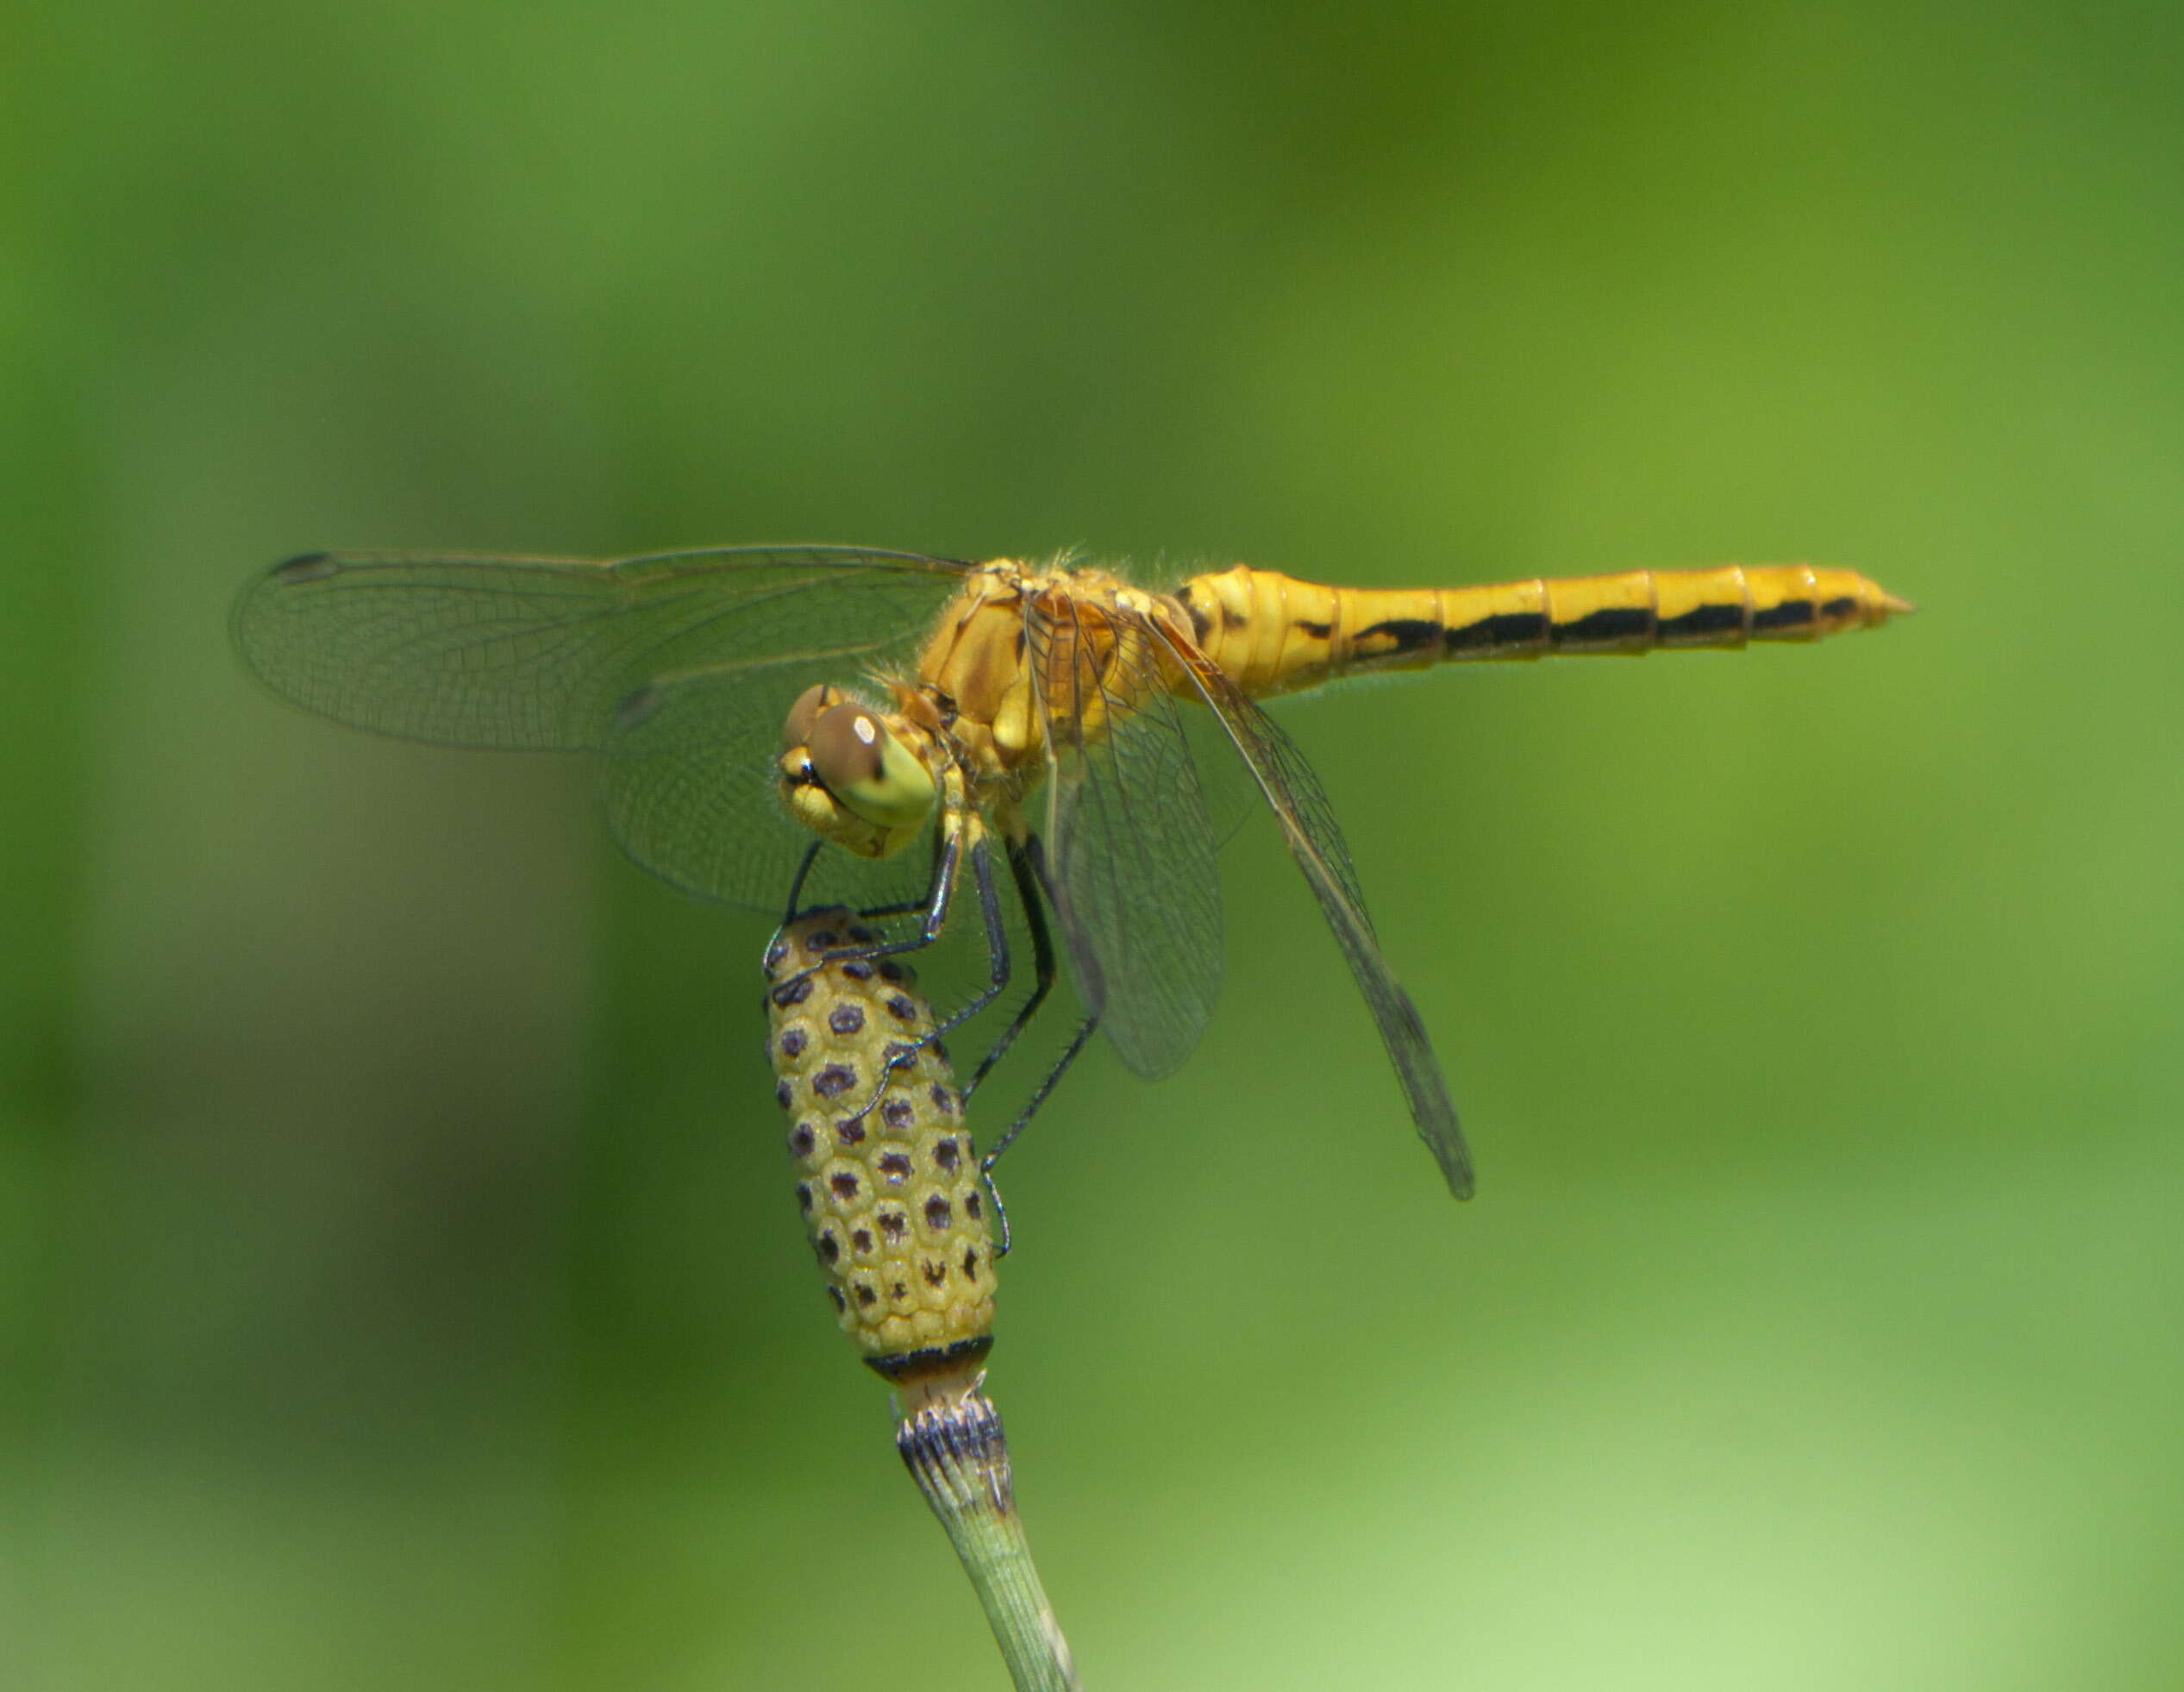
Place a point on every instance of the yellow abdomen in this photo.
(1273, 634)
(892, 1198)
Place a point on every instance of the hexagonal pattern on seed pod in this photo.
(889, 1187)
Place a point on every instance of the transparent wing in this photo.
(1130, 848)
(680, 666)
(1300, 806)
(690, 788)
(542, 653)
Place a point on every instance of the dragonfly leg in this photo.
(935, 904)
(796, 887)
(903, 1053)
(796, 898)
(1031, 1109)
(938, 896)
(903, 907)
(1028, 864)
(999, 970)
(1027, 867)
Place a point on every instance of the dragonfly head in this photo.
(853, 777)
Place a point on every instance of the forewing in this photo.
(1130, 849)
(689, 785)
(544, 652)
(680, 666)
(1315, 838)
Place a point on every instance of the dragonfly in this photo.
(1090, 740)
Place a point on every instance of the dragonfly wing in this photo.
(690, 786)
(1130, 851)
(1299, 805)
(1232, 798)
(543, 653)
(680, 666)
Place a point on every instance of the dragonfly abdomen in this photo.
(1273, 634)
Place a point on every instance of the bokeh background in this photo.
(399, 1281)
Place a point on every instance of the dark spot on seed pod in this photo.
(865, 1296)
(893, 1223)
(834, 1080)
(849, 1131)
(775, 954)
(841, 1304)
(795, 993)
(802, 1141)
(847, 1019)
(974, 1206)
(861, 935)
(821, 940)
(901, 1009)
(895, 1165)
(940, 1049)
(970, 1265)
(935, 1273)
(782, 1096)
(861, 1240)
(896, 1114)
(939, 1214)
(845, 1185)
(942, 1102)
(804, 1196)
(946, 1156)
(899, 1290)
(830, 1245)
(890, 970)
(857, 970)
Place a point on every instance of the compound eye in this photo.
(805, 712)
(846, 744)
(867, 768)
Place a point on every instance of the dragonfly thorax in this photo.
(859, 778)
(975, 661)
(979, 661)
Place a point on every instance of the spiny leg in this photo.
(903, 907)
(1032, 863)
(998, 966)
(903, 1053)
(938, 896)
(776, 946)
(1025, 868)
(1031, 1109)
(796, 887)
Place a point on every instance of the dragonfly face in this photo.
(1079, 725)
(856, 777)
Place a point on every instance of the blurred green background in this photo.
(399, 1281)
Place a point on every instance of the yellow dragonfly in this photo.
(755, 705)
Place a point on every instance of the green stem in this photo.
(957, 1453)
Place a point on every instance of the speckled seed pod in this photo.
(892, 1201)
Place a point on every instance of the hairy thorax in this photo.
(974, 678)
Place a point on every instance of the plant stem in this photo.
(955, 1450)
